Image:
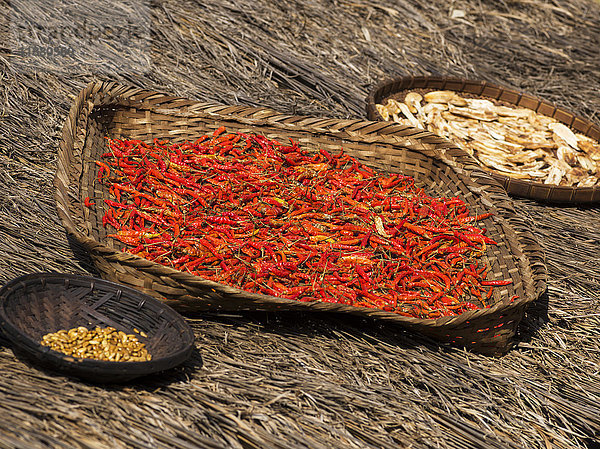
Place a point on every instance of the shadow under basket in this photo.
(110, 110)
(36, 304)
(524, 188)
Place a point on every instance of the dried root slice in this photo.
(505, 111)
(586, 162)
(575, 176)
(475, 114)
(440, 96)
(413, 101)
(555, 176)
(567, 154)
(409, 116)
(592, 149)
(589, 181)
(564, 133)
(382, 111)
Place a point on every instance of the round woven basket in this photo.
(109, 110)
(518, 187)
(36, 304)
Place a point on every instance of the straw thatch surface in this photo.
(305, 380)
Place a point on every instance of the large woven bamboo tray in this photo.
(518, 187)
(107, 109)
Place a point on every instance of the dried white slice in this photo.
(383, 111)
(567, 154)
(590, 148)
(379, 227)
(531, 142)
(413, 101)
(540, 175)
(510, 173)
(434, 107)
(575, 175)
(409, 116)
(482, 105)
(586, 162)
(476, 114)
(506, 148)
(495, 134)
(589, 181)
(533, 166)
(392, 106)
(437, 125)
(457, 130)
(529, 156)
(489, 150)
(439, 96)
(457, 100)
(562, 165)
(511, 148)
(506, 111)
(447, 115)
(496, 162)
(554, 176)
(402, 121)
(539, 121)
(564, 133)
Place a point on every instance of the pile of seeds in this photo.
(106, 344)
(512, 141)
(270, 218)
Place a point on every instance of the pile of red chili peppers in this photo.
(272, 218)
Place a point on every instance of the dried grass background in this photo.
(307, 380)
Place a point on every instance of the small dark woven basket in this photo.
(110, 110)
(36, 304)
(518, 187)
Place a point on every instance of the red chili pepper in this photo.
(496, 283)
(416, 229)
(103, 167)
(468, 306)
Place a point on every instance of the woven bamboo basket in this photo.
(36, 304)
(517, 187)
(106, 109)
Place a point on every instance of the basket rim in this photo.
(516, 186)
(24, 341)
(100, 94)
